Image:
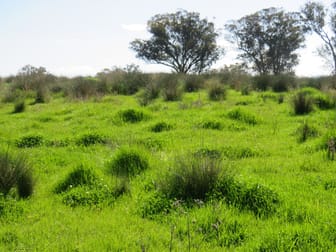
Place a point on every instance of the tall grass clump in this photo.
(150, 92)
(161, 126)
(128, 162)
(306, 131)
(216, 90)
(19, 106)
(30, 141)
(302, 103)
(131, 116)
(90, 139)
(192, 177)
(243, 116)
(171, 87)
(15, 171)
(80, 176)
(192, 82)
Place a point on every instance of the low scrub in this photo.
(214, 125)
(30, 141)
(15, 171)
(241, 115)
(306, 131)
(192, 82)
(171, 85)
(128, 162)
(19, 106)
(216, 91)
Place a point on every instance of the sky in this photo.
(82, 37)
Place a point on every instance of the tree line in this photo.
(267, 40)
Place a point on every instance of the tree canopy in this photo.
(315, 17)
(181, 40)
(268, 40)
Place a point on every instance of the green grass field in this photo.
(256, 137)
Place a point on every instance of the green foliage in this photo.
(80, 176)
(82, 88)
(90, 139)
(192, 177)
(30, 141)
(128, 162)
(302, 103)
(154, 204)
(15, 172)
(208, 153)
(192, 82)
(232, 152)
(131, 116)
(150, 92)
(19, 106)
(161, 126)
(42, 95)
(243, 116)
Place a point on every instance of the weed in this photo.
(30, 141)
(128, 162)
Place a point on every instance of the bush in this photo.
(81, 176)
(193, 177)
(128, 162)
(82, 88)
(171, 87)
(154, 203)
(216, 91)
(131, 116)
(302, 103)
(19, 106)
(281, 83)
(262, 82)
(42, 94)
(15, 171)
(243, 116)
(30, 141)
(161, 126)
(324, 102)
(149, 93)
(90, 139)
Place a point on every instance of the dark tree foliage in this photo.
(322, 21)
(268, 40)
(181, 40)
(32, 78)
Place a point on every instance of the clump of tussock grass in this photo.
(30, 141)
(216, 90)
(161, 126)
(15, 171)
(241, 115)
(214, 125)
(19, 106)
(171, 87)
(128, 162)
(302, 103)
(306, 131)
(131, 116)
(90, 139)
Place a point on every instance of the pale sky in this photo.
(82, 37)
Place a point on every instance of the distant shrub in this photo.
(90, 139)
(281, 98)
(243, 116)
(282, 82)
(262, 82)
(19, 106)
(171, 87)
(15, 172)
(212, 125)
(30, 141)
(161, 126)
(192, 82)
(42, 94)
(306, 131)
(324, 102)
(302, 103)
(131, 116)
(81, 176)
(216, 91)
(193, 177)
(82, 88)
(150, 92)
(128, 162)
